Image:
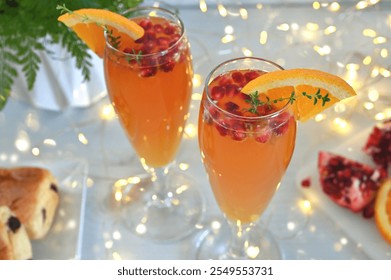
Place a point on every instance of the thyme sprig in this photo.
(255, 101)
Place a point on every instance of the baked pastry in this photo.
(32, 194)
(14, 241)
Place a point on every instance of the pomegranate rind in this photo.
(348, 183)
(383, 210)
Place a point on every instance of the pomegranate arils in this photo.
(170, 29)
(157, 38)
(238, 77)
(280, 124)
(224, 80)
(158, 28)
(349, 183)
(378, 145)
(251, 75)
(306, 182)
(231, 106)
(264, 135)
(148, 72)
(231, 90)
(146, 24)
(217, 92)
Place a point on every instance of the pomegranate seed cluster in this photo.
(378, 145)
(225, 92)
(350, 183)
(158, 49)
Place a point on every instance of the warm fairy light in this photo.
(252, 251)
(341, 125)
(82, 138)
(35, 151)
(197, 80)
(283, 27)
(141, 229)
(373, 95)
(334, 7)
(344, 241)
(381, 116)
(259, 6)
(190, 131)
(116, 256)
(352, 67)
(362, 5)
(369, 33)
(330, 29)
(133, 180)
(22, 142)
(368, 106)
(320, 117)
(375, 72)
(118, 195)
(312, 26)
(120, 183)
(90, 182)
(116, 235)
(203, 6)
(229, 29)
(49, 142)
(379, 40)
(183, 166)
(222, 10)
(384, 53)
(243, 13)
(305, 206)
(107, 112)
(263, 37)
(384, 72)
(227, 39)
(325, 50)
(181, 189)
(316, 5)
(367, 60)
(196, 96)
(247, 52)
(340, 107)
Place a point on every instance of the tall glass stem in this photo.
(161, 197)
(239, 240)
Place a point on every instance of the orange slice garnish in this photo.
(383, 210)
(89, 25)
(305, 83)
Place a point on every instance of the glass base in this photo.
(163, 217)
(216, 239)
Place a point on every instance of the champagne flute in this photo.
(149, 82)
(245, 149)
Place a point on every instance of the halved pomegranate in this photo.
(348, 183)
(378, 145)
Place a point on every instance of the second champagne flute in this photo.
(150, 85)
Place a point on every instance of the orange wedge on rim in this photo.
(383, 210)
(89, 25)
(305, 83)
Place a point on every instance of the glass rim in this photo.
(232, 115)
(159, 53)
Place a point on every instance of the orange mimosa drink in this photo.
(150, 84)
(245, 153)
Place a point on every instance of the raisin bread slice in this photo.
(14, 241)
(32, 194)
